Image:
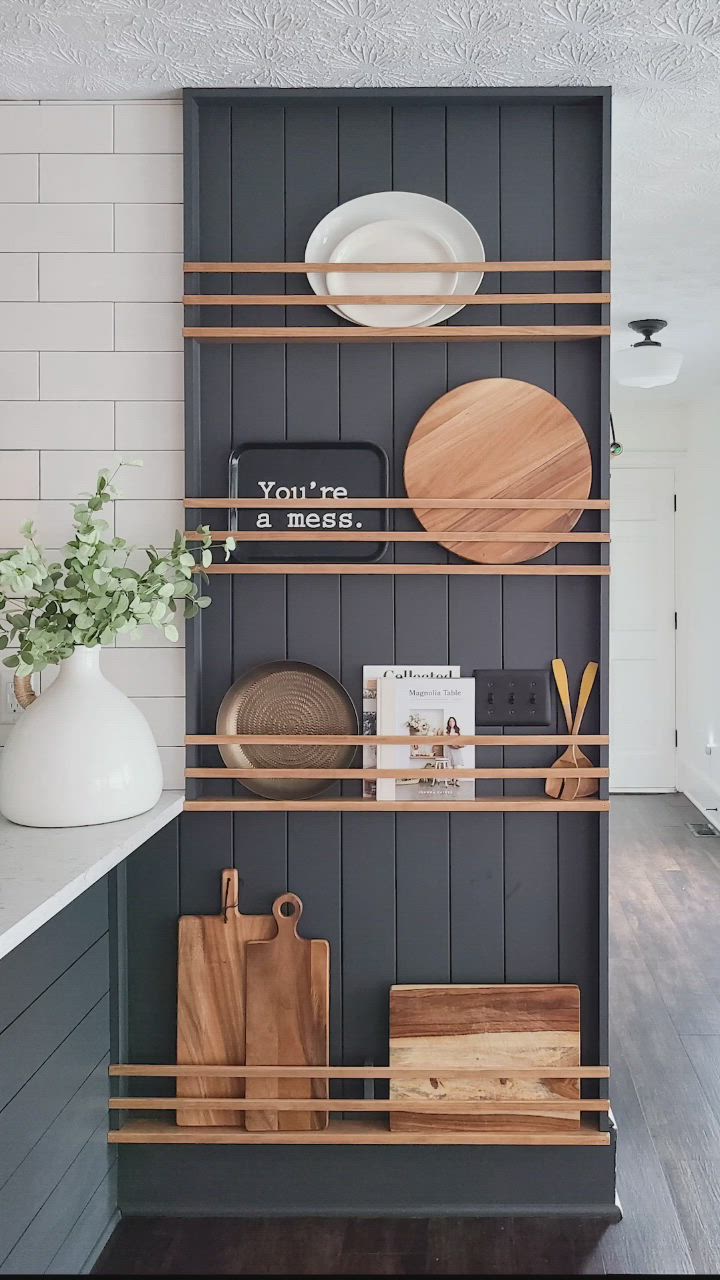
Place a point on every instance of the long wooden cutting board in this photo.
(211, 1000)
(288, 1006)
(481, 1026)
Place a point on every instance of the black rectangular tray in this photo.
(271, 470)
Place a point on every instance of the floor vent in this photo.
(702, 829)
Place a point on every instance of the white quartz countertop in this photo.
(43, 869)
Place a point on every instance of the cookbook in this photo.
(418, 708)
(371, 675)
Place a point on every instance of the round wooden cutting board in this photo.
(497, 438)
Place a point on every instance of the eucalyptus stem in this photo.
(92, 596)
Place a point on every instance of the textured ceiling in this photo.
(662, 58)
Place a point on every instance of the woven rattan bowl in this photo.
(287, 698)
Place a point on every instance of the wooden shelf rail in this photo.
(363, 1131)
(403, 504)
(423, 333)
(450, 268)
(383, 535)
(416, 570)
(356, 775)
(366, 1126)
(174, 1070)
(392, 299)
(500, 804)
(378, 1105)
(390, 739)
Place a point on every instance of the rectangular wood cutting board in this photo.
(458, 1026)
(288, 1010)
(212, 953)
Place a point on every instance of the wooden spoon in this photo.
(554, 786)
(577, 788)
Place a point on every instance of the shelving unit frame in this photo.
(492, 871)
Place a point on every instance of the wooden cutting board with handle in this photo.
(476, 1027)
(288, 1008)
(497, 438)
(211, 1000)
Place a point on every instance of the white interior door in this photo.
(642, 629)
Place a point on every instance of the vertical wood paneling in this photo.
(421, 604)
(578, 233)
(475, 605)
(313, 604)
(259, 612)
(367, 634)
(529, 637)
(154, 906)
(417, 897)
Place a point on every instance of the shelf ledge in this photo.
(503, 804)
(366, 1131)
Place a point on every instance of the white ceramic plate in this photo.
(432, 215)
(391, 240)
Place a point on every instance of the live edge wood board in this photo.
(475, 1026)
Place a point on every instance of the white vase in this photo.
(80, 754)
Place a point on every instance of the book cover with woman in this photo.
(433, 714)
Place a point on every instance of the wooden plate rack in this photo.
(345, 333)
(365, 1127)
(431, 333)
(500, 804)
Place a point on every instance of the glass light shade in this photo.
(646, 366)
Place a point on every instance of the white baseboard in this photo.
(700, 791)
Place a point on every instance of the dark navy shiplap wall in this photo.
(407, 897)
(58, 1196)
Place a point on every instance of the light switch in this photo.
(512, 697)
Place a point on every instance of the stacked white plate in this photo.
(394, 226)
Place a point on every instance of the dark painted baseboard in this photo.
(368, 1181)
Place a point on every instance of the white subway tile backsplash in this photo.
(148, 326)
(56, 227)
(65, 473)
(172, 760)
(146, 673)
(19, 474)
(91, 237)
(57, 424)
(154, 127)
(147, 179)
(74, 127)
(19, 375)
(150, 522)
(148, 228)
(18, 178)
(18, 277)
(52, 520)
(114, 277)
(166, 717)
(56, 326)
(154, 425)
(117, 375)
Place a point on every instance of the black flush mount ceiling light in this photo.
(646, 363)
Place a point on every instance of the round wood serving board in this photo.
(497, 438)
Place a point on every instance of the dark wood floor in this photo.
(665, 1003)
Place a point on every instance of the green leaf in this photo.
(206, 559)
(171, 632)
